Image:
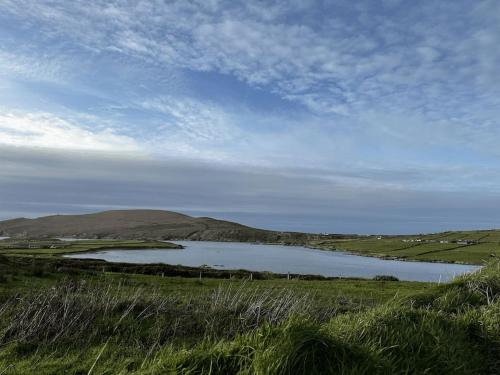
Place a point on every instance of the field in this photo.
(58, 320)
(49, 247)
(473, 247)
(54, 321)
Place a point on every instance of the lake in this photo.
(282, 259)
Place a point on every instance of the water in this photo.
(282, 259)
(3, 238)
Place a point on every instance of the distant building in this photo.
(467, 242)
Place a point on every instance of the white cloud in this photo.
(393, 62)
(299, 61)
(48, 131)
(34, 67)
(426, 77)
(194, 119)
(191, 128)
(323, 65)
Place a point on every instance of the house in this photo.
(467, 242)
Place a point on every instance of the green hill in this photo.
(141, 224)
(473, 247)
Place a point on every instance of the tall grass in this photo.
(87, 327)
(83, 312)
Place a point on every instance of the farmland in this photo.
(473, 247)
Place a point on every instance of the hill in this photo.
(474, 247)
(141, 224)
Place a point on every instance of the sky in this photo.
(320, 116)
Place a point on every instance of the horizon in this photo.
(293, 116)
(256, 227)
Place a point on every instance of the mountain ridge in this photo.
(142, 224)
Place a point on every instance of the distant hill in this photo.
(142, 224)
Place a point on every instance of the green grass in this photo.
(108, 324)
(43, 248)
(429, 249)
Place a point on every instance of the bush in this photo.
(385, 278)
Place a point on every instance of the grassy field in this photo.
(53, 321)
(50, 247)
(473, 247)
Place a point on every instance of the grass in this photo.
(441, 247)
(54, 322)
(51, 247)
(111, 323)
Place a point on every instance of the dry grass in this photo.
(83, 312)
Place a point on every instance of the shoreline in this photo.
(350, 252)
(387, 257)
(214, 267)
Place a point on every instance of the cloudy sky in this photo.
(323, 116)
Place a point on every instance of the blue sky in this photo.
(366, 116)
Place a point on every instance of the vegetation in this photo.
(473, 247)
(49, 247)
(55, 321)
(141, 224)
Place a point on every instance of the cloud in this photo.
(194, 119)
(46, 182)
(291, 106)
(191, 128)
(349, 58)
(48, 131)
(35, 67)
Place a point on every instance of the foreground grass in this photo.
(107, 323)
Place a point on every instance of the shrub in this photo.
(385, 278)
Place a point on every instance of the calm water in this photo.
(282, 259)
